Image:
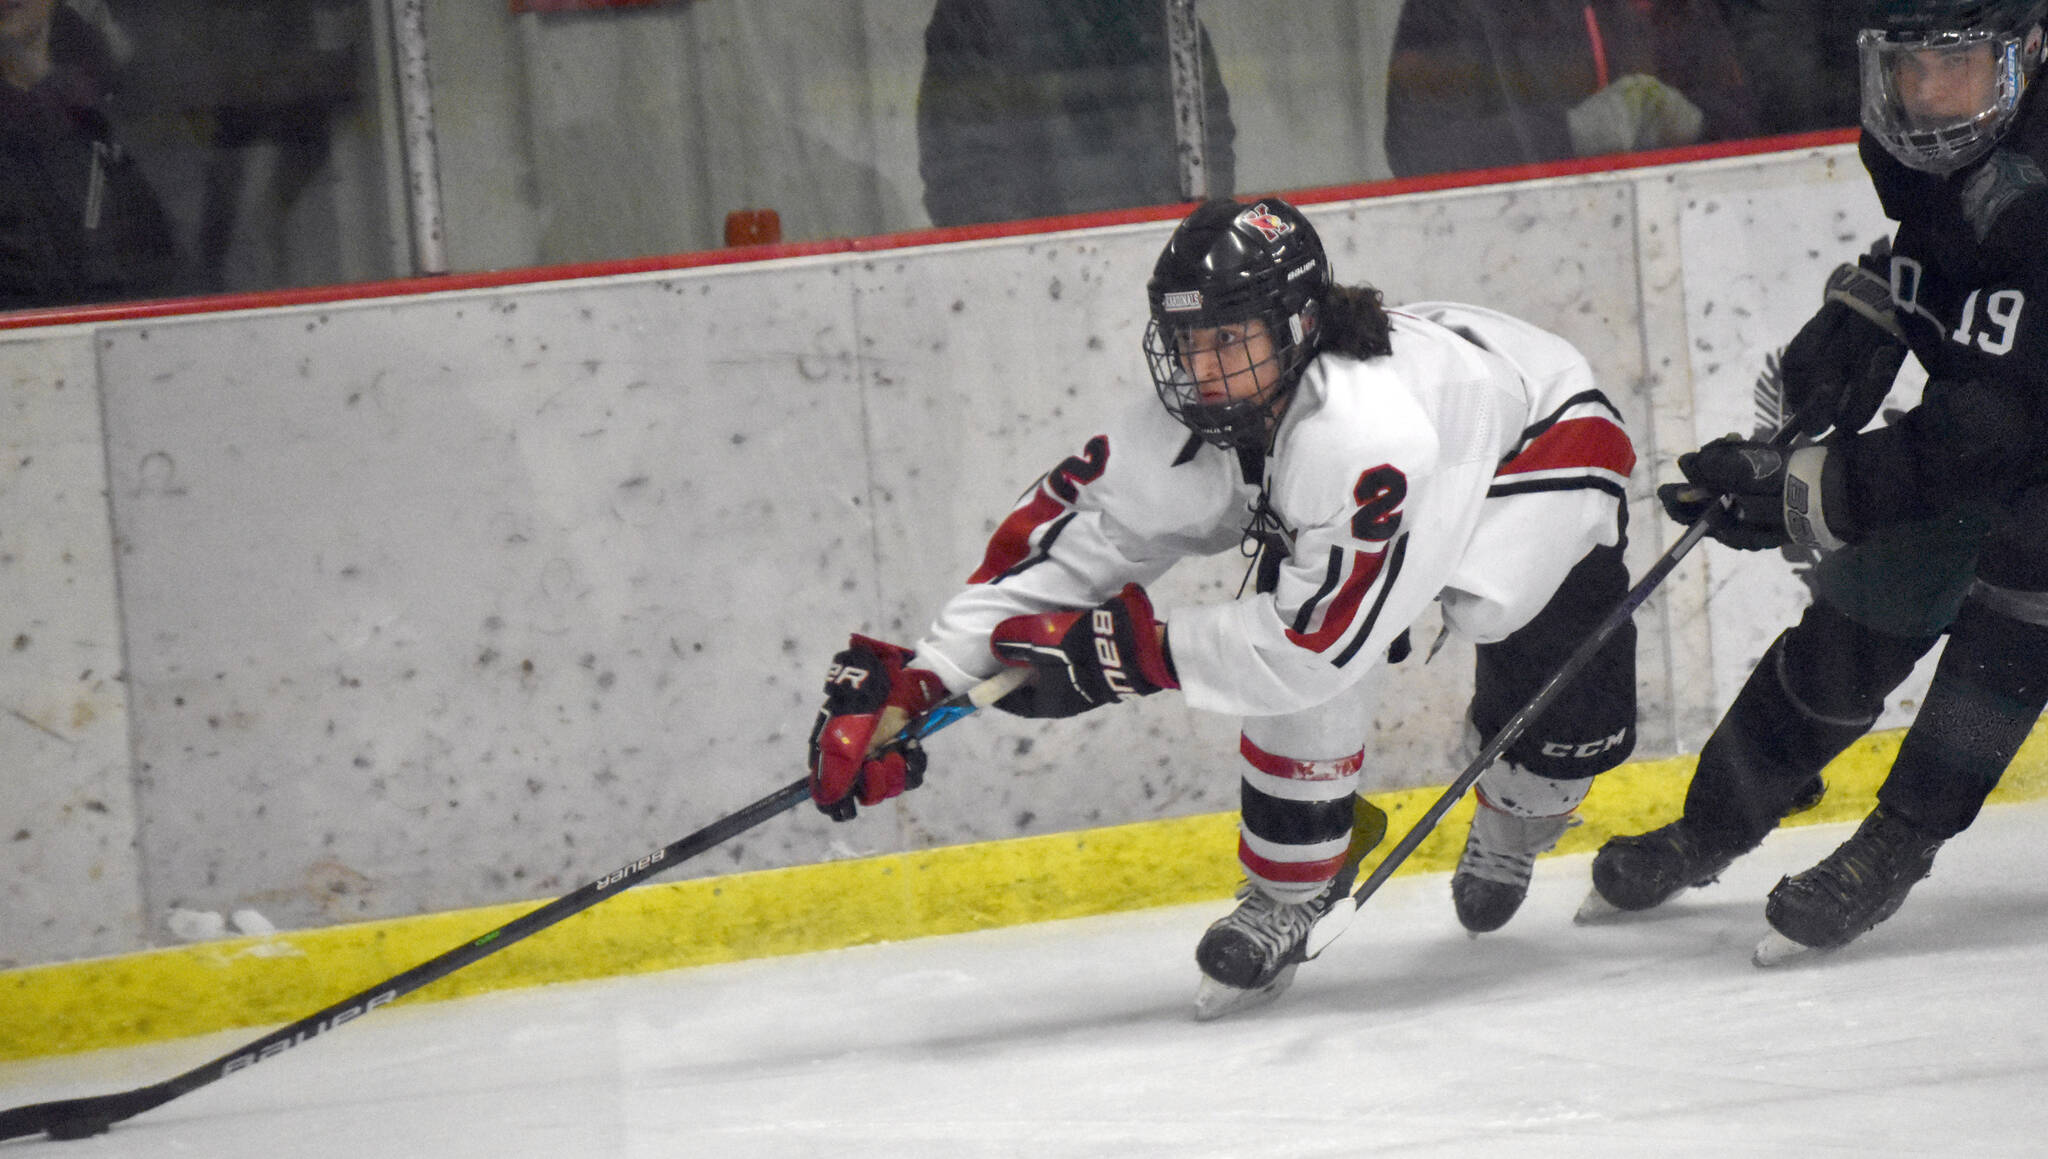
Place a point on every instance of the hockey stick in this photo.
(83, 1117)
(1331, 924)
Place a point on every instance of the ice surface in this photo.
(1645, 1037)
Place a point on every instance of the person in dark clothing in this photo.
(79, 222)
(1031, 108)
(1799, 57)
(1934, 523)
(1474, 84)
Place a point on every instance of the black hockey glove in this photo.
(1084, 658)
(1773, 495)
(1841, 364)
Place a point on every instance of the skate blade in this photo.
(1776, 950)
(1213, 999)
(1596, 910)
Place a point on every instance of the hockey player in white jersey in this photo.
(1381, 459)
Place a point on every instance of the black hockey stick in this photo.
(1331, 924)
(83, 1117)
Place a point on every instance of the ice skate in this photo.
(1500, 855)
(1853, 889)
(1631, 874)
(1249, 955)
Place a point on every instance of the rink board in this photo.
(258, 982)
(357, 611)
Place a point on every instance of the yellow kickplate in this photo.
(268, 981)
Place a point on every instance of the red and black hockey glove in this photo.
(870, 694)
(1084, 658)
(1841, 364)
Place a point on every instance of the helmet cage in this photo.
(1237, 422)
(1943, 144)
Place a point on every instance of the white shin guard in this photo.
(1518, 792)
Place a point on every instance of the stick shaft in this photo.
(69, 1118)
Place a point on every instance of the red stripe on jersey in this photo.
(1302, 872)
(1588, 442)
(1337, 617)
(1293, 770)
(1011, 543)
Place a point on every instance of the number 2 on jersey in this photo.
(1380, 492)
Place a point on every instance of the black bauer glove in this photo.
(1084, 658)
(1773, 494)
(871, 692)
(1841, 364)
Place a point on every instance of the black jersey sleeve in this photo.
(1968, 440)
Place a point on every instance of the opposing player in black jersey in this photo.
(1934, 523)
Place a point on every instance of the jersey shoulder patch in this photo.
(2005, 179)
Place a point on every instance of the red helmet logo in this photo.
(1260, 218)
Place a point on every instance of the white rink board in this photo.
(472, 597)
(68, 873)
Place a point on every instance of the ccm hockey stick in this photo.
(1334, 923)
(83, 1117)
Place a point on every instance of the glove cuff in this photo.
(922, 689)
(1149, 640)
(1805, 514)
(1866, 293)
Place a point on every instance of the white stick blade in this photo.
(1330, 926)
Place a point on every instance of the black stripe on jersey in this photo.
(1386, 581)
(1334, 573)
(1286, 822)
(1044, 552)
(1579, 483)
(1535, 430)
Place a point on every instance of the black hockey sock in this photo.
(1819, 687)
(1987, 693)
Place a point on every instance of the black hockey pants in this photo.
(1591, 726)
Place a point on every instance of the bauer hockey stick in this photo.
(1334, 923)
(82, 1117)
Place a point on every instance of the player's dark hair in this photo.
(1355, 323)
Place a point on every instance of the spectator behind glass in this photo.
(78, 221)
(1800, 58)
(1480, 83)
(1030, 108)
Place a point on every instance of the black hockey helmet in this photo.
(1230, 263)
(1976, 58)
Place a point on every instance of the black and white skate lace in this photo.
(1500, 856)
(1503, 847)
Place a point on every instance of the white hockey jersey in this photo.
(1476, 464)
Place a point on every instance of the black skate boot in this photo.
(1645, 871)
(1252, 945)
(1857, 886)
(1500, 856)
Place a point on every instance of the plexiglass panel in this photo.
(170, 147)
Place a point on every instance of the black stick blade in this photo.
(77, 1118)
